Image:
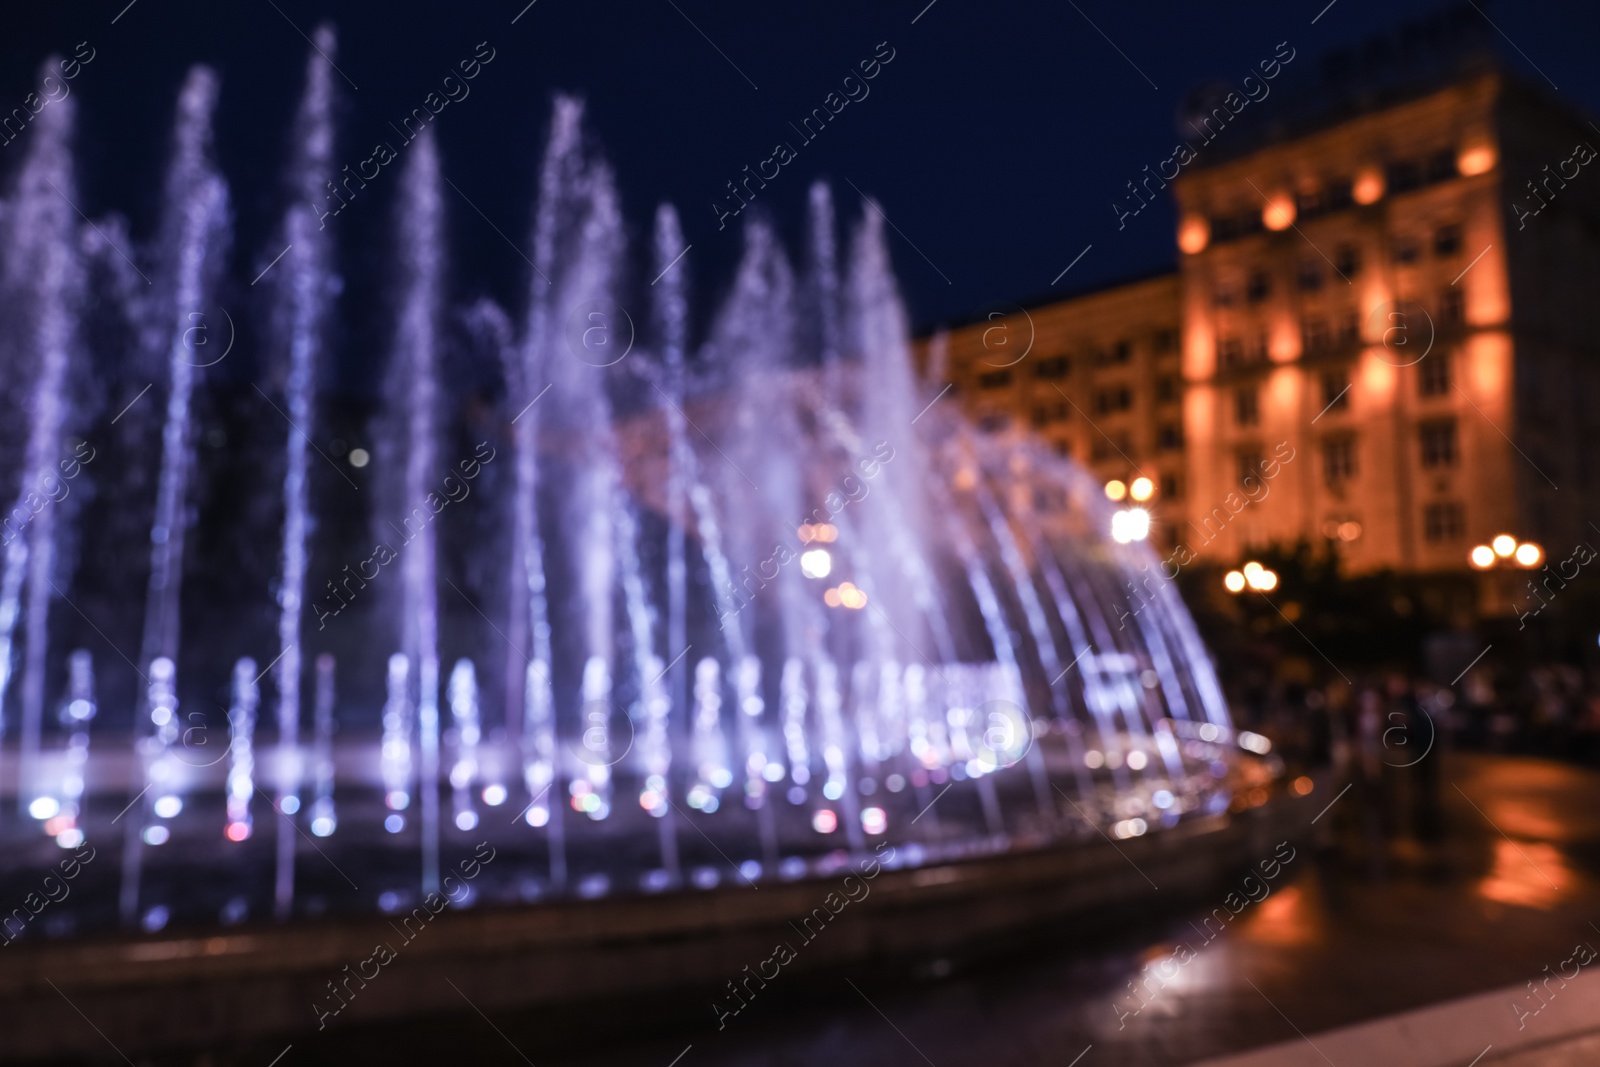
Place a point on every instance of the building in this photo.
(1387, 335)
(1099, 377)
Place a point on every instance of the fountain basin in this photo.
(256, 982)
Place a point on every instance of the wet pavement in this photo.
(1346, 932)
(1358, 921)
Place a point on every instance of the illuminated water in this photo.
(737, 609)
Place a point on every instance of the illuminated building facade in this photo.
(1388, 337)
(1099, 377)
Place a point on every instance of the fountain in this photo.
(195, 246)
(757, 606)
(43, 282)
(414, 455)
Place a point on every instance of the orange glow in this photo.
(1282, 393)
(1199, 345)
(822, 531)
(1283, 340)
(1529, 554)
(1503, 545)
(1534, 817)
(1476, 159)
(845, 595)
(1279, 212)
(1528, 874)
(1233, 581)
(1374, 295)
(1368, 188)
(1377, 382)
(1116, 489)
(1489, 372)
(1303, 786)
(1142, 489)
(1199, 415)
(1282, 919)
(1482, 557)
(1194, 233)
(1488, 302)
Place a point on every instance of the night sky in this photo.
(996, 138)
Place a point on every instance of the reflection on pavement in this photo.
(1529, 875)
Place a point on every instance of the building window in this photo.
(1231, 350)
(995, 379)
(1249, 464)
(1246, 406)
(1339, 194)
(1350, 328)
(1452, 307)
(1171, 488)
(1167, 388)
(1406, 250)
(1107, 401)
(1169, 436)
(1223, 296)
(1447, 240)
(1063, 448)
(1314, 334)
(1310, 276)
(1338, 459)
(1347, 260)
(1403, 175)
(1442, 165)
(1230, 227)
(1105, 448)
(994, 422)
(1166, 340)
(1044, 414)
(1439, 443)
(1336, 390)
(1443, 522)
(1433, 375)
(1121, 352)
(1054, 367)
(1259, 286)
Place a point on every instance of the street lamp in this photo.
(1130, 524)
(1525, 554)
(815, 563)
(1252, 574)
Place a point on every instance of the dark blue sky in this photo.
(996, 139)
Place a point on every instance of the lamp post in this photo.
(1251, 576)
(1505, 550)
(1130, 523)
(1503, 553)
